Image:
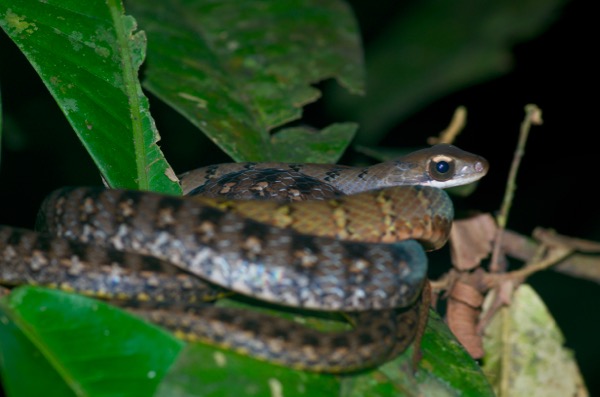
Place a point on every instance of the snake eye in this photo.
(441, 169)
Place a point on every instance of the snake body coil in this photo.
(341, 254)
(273, 264)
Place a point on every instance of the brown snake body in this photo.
(232, 244)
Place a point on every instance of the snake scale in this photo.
(323, 238)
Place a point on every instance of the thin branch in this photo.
(532, 116)
(457, 124)
(554, 256)
(586, 267)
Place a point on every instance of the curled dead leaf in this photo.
(464, 307)
(471, 240)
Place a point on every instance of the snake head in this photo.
(440, 166)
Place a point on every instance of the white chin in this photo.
(451, 182)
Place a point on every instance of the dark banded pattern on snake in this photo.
(378, 336)
(439, 166)
(273, 264)
(128, 278)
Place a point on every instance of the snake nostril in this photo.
(479, 166)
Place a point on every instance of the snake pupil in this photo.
(442, 167)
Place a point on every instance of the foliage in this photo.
(242, 85)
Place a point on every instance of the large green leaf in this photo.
(238, 70)
(85, 347)
(79, 346)
(21, 359)
(204, 371)
(447, 366)
(88, 54)
(305, 145)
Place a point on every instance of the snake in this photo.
(442, 166)
(301, 236)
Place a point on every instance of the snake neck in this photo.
(349, 180)
(440, 166)
(352, 180)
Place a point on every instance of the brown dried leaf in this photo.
(471, 240)
(464, 306)
(467, 294)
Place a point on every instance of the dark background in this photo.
(556, 184)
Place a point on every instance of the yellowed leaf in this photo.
(524, 349)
